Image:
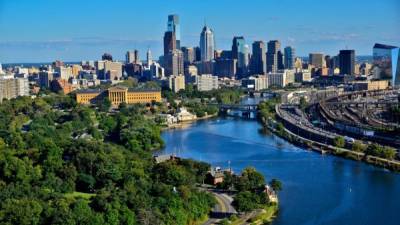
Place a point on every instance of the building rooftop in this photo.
(377, 45)
(84, 91)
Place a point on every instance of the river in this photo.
(317, 189)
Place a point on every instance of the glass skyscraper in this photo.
(290, 55)
(207, 44)
(174, 26)
(387, 63)
(240, 51)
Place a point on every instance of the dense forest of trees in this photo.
(63, 163)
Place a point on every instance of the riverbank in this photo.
(185, 124)
(329, 149)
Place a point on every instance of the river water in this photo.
(317, 189)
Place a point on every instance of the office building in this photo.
(45, 77)
(274, 56)
(174, 26)
(347, 62)
(207, 44)
(225, 67)
(256, 83)
(13, 87)
(386, 63)
(240, 52)
(176, 83)
(132, 57)
(258, 59)
(62, 72)
(317, 60)
(303, 76)
(112, 70)
(149, 58)
(156, 71)
(290, 55)
(169, 42)
(281, 79)
(206, 82)
(188, 55)
(174, 63)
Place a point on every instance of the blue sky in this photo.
(74, 30)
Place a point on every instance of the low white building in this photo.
(183, 115)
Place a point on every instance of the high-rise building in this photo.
(176, 83)
(132, 57)
(174, 26)
(169, 42)
(188, 55)
(386, 64)
(316, 59)
(149, 58)
(258, 59)
(241, 53)
(174, 63)
(112, 70)
(1, 69)
(45, 77)
(225, 67)
(63, 72)
(13, 87)
(237, 46)
(207, 44)
(274, 56)
(197, 54)
(290, 55)
(347, 61)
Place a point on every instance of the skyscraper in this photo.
(241, 53)
(258, 59)
(188, 55)
(207, 44)
(174, 26)
(347, 62)
(132, 57)
(174, 63)
(149, 59)
(274, 56)
(316, 59)
(169, 42)
(237, 45)
(290, 55)
(387, 63)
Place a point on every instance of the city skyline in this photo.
(88, 32)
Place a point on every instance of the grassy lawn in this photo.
(266, 216)
(76, 194)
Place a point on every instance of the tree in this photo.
(276, 185)
(303, 103)
(250, 180)
(358, 147)
(339, 141)
(245, 201)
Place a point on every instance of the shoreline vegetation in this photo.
(359, 152)
(67, 163)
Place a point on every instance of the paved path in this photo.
(223, 208)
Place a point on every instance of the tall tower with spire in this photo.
(149, 58)
(207, 44)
